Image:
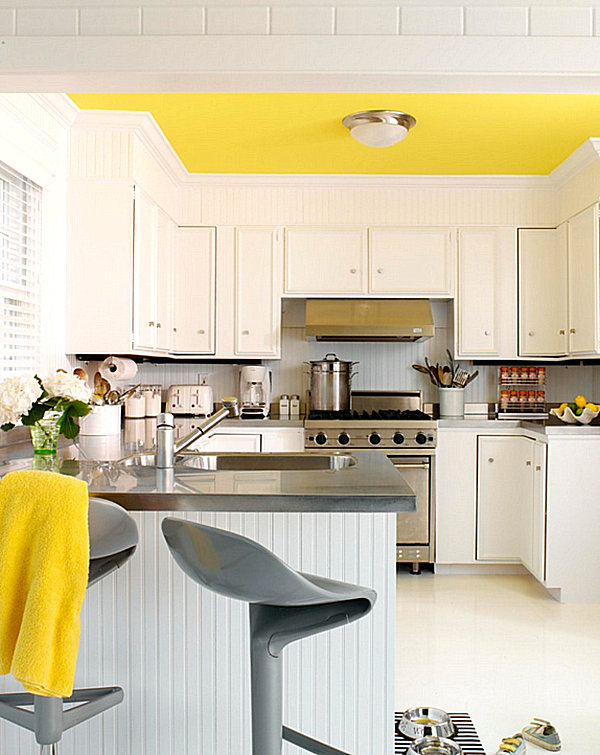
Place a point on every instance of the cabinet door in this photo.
(412, 261)
(325, 260)
(477, 292)
(164, 254)
(230, 443)
(193, 310)
(543, 292)
(537, 565)
(257, 302)
(583, 281)
(144, 271)
(504, 495)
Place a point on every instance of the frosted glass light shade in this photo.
(379, 128)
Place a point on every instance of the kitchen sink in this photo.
(263, 462)
(249, 462)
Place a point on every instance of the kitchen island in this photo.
(181, 652)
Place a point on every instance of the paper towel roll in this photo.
(117, 370)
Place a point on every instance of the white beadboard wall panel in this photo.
(100, 153)
(410, 205)
(182, 653)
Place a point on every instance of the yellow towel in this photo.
(44, 560)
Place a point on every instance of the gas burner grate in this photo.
(381, 414)
(466, 735)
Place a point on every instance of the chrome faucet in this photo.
(167, 448)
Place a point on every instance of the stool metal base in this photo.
(307, 743)
(48, 719)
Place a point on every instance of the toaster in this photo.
(190, 399)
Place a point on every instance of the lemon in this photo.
(580, 401)
(562, 407)
(592, 407)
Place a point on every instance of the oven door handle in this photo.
(424, 465)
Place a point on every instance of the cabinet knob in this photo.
(151, 323)
(353, 270)
(528, 463)
(487, 332)
(200, 332)
(174, 330)
(572, 330)
(531, 333)
(158, 325)
(491, 461)
(561, 332)
(538, 468)
(245, 332)
(380, 270)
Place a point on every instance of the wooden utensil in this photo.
(451, 362)
(447, 377)
(81, 374)
(421, 368)
(432, 372)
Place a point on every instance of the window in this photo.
(19, 272)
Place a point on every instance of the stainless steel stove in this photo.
(393, 423)
(377, 419)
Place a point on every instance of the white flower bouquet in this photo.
(26, 399)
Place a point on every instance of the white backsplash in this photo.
(381, 366)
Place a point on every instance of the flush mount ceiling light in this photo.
(379, 128)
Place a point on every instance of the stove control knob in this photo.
(421, 439)
(398, 439)
(374, 439)
(320, 439)
(343, 439)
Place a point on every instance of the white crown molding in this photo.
(365, 181)
(581, 159)
(59, 106)
(143, 125)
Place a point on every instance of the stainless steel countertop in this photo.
(372, 485)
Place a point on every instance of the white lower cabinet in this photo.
(490, 499)
(505, 499)
(240, 438)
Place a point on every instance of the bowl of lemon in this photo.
(581, 411)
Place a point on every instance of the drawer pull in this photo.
(490, 460)
(353, 270)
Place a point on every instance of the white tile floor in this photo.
(501, 649)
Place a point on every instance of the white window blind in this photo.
(19, 272)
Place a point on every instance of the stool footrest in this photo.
(48, 719)
(310, 744)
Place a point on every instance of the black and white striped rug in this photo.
(466, 735)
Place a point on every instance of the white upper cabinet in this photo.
(486, 295)
(325, 260)
(152, 254)
(543, 314)
(193, 291)
(412, 261)
(583, 282)
(257, 291)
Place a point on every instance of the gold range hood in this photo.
(401, 320)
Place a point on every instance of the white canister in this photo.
(102, 420)
(152, 400)
(452, 402)
(135, 406)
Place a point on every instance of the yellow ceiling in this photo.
(303, 133)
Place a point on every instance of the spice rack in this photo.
(522, 392)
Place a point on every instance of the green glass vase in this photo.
(45, 432)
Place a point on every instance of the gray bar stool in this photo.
(285, 606)
(113, 540)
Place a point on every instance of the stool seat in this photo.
(240, 568)
(111, 528)
(284, 606)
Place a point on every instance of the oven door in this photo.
(413, 528)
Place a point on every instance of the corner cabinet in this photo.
(485, 308)
(584, 300)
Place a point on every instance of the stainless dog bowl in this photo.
(426, 722)
(434, 746)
